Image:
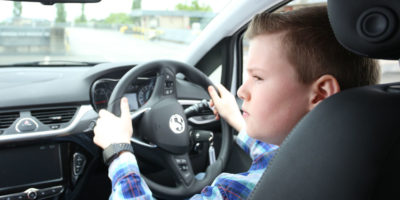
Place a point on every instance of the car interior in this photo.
(346, 148)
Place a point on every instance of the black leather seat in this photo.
(348, 147)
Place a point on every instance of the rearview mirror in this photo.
(51, 2)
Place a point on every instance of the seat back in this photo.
(348, 147)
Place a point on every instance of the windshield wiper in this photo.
(51, 63)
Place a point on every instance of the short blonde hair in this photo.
(312, 48)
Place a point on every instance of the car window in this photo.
(130, 30)
(390, 71)
(215, 76)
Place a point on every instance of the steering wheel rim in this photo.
(166, 71)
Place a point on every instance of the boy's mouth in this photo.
(244, 113)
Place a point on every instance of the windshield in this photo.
(108, 31)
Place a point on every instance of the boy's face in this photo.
(274, 100)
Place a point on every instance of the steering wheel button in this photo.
(169, 84)
(168, 92)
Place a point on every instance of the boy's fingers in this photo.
(215, 112)
(104, 113)
(221, 89)
(125, 112)
(213, 93)
(211, 103)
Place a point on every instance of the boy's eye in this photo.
(257, 78)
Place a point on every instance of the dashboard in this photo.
(47, 117)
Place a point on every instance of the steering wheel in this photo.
(164, 126)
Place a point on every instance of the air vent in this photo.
(54, 116)
(6, 119)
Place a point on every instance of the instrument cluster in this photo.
(138, 93)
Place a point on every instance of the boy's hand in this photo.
(111, 129)
(226, 107)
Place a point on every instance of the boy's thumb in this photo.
(125, 112)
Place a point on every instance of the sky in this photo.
(97, 10)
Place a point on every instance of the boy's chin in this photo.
(265, 137)
(253, 134)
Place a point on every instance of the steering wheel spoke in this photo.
(138, 113)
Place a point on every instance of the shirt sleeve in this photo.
(253, 147)
(236, 186)
(228, 186)
(126, 181)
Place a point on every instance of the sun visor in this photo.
(367, 27)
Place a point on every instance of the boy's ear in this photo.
(322, 88)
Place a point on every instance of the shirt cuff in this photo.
(243, 137)
(244, 141)
(127, 162)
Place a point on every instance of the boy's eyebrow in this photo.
(255, 69)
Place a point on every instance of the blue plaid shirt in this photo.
(127, 183)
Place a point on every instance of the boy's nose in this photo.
(242, 93)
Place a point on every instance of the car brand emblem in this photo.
(177, 124)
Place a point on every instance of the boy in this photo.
(294, 63)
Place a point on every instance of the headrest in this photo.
(367, 27)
